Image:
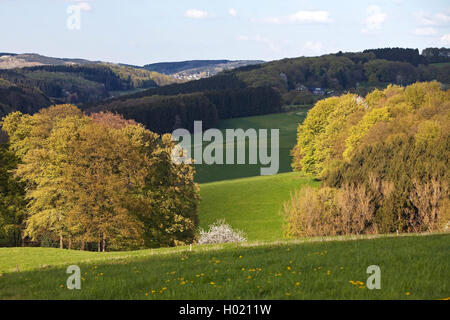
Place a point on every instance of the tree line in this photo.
(222, 81)
(411, 56)
(162, 114)
(436, 55)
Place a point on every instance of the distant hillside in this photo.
(13, 60)
(29, 82)
(29, 89)
(304, 80)
(24, 60)
(297, 81)
(197, 69)
(264, 88)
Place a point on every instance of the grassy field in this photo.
(412, 267)
(250, 204)
(286, 122)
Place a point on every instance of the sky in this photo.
(146, 31)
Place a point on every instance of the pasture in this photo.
(286, 122)
(250, 204)
(412, 267)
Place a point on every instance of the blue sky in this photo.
(145, 31)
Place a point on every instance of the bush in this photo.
(221, 232)
(308, 213)
(329, 212)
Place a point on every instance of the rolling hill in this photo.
(42, 81)
(14, 60)
(298, 81)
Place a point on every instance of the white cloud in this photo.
(429, 19)
(232, 12)
(425, 31)
(375, 18)
(445, 39)
(196, 14)
(302, 17)
(310, 17)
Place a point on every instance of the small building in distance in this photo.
(300, 87)
(318, 91)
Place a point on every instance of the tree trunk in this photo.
(70, 243)
(98, 245)
(104, 242)
(82, 245)
(61, 242)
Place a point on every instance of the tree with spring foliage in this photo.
(12, 200)
(101, 180)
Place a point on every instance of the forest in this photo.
(346, 71)
(29, 89)
(164, 113)
(295, 78)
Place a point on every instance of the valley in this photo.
(86, 165)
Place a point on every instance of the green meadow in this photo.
(250, 204)
(286, 122)
(412, 267)
(240, 195)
